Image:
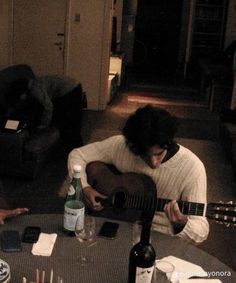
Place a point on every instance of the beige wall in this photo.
(88, 48)
(5, 26)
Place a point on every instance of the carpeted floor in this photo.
(199, 131)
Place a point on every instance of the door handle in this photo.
(58, 43)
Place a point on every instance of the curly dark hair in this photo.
(149, 126)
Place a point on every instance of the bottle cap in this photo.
(77, 168)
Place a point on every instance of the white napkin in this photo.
(183, 269)
(44, 245)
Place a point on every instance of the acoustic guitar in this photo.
(138, 192)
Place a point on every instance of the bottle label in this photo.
(71, 191)
(80, 222)
(144, 275)
(70, 217)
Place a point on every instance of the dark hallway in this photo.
(156, 45)
(172, 40)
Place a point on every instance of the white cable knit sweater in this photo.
(181, 177)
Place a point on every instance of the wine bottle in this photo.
(74, 206)
(142, 257)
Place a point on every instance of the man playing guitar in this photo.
(147, 146)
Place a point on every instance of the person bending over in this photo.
(46, 101)
(147, 146)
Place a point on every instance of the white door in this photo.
(39, 34)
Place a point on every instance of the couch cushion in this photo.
(41, 141)
(11, 145)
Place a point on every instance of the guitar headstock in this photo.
(224, 213)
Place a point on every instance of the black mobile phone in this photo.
(108, 230)
(11, 241)
(31, 234)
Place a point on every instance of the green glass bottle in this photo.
(74, 207)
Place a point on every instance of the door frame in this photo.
(66, 38)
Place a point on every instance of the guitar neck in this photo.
(222, 212)
(146, 203)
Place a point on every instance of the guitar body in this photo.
(106, 179)
(133, 196)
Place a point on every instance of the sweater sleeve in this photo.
(102, 151)
(197, 227)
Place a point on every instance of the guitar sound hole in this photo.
(119, 199)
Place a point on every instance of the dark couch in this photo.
(24, 153)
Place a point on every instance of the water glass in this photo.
(163, 271)
(85, 234)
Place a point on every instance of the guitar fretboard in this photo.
(147, 203)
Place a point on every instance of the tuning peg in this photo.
(225, 223)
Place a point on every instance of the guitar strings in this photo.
(189, 208)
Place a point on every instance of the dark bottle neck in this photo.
(146, 231)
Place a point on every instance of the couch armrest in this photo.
(11, 146)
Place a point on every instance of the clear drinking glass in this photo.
(85, 236)
(163, 271)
